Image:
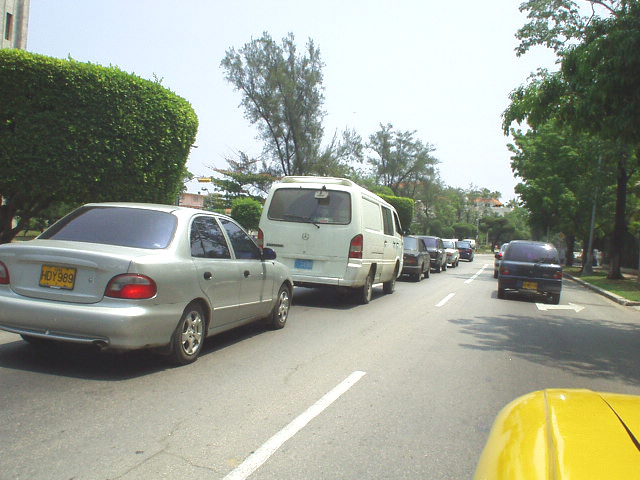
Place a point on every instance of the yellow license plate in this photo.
(530, 285)
(57, 277)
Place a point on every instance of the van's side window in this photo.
(207, 240)
(388, 221)
(396, 219)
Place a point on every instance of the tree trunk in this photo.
(620, 226)
(571, 243)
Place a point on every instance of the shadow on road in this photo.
(86, 362)
(588, 348)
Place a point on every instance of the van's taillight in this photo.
(131, 286)
(260, 238)
(557, 275)
(505, 271)
(4, 274)
(355, 248)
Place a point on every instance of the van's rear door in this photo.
(310, 230)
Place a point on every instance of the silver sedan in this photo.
(129, 276)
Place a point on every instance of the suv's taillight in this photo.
(557, 275)
(505, 271)
(260, 238)
(131, 286)
(355, 248)
(4, 274)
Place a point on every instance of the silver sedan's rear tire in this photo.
(278, 317)
(189, 335)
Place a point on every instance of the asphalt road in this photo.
(406, 387)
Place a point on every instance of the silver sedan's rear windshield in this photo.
(122, 226)
(310, 206)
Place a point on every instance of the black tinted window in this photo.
(430, 242)
(122, 226)
(387, 220)
(532, 253)
(242, 244)
(207, 240)
(306, 205)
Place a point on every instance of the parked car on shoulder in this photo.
(127, 276)
(437, 254)
(417, 261)
(465, 249)
(532, 267)
(453, 255)
(498, 259)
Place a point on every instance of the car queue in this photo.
(125, 276)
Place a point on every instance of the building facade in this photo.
(14, 23)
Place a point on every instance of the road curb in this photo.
(611, 296)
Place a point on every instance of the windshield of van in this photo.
(310, 206)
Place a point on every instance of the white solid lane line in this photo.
(445, 299)
(262, 454)
(477, 274)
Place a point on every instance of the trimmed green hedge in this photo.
(78, 132)
(405, 207)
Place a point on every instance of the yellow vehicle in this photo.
(564, 434)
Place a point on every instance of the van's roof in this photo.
(318, 182)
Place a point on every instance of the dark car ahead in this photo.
(498, 259)
(437, 253)
(416, 262)
(465, 249)
(529, 266)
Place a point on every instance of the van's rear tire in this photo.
(390, 286)
(365, 292)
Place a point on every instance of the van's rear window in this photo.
(310, 206)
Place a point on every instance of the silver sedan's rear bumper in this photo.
(109, 323)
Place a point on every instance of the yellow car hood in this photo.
(564, 434)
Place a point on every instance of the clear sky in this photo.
(441, 68)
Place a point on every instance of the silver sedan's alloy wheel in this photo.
(280, 312)
(189, 335)
(192, 331)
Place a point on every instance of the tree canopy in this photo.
(75, 132)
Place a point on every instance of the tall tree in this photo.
(596, 89)
(399, 160)
(282, 95)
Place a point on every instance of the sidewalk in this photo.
(627, 273)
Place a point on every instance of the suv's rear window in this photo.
(122, 226)
(410, 243)
(310, 206)
(430, 242)
(448, 244)
(463, 245)
(532, 253)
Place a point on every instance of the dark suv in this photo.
(436, 251)
(465, 249)
(528, 266)
(416, 262)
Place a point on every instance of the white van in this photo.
(330, 231)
